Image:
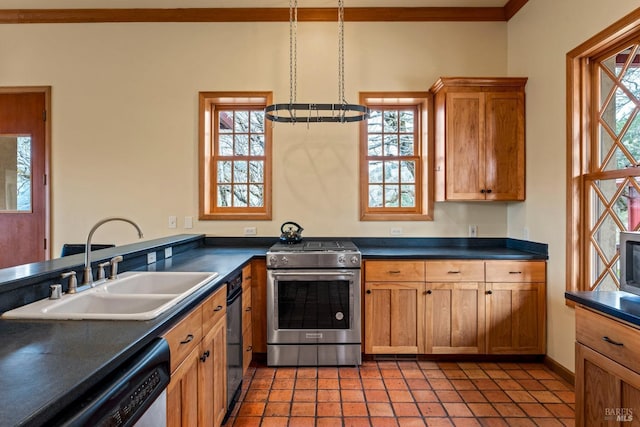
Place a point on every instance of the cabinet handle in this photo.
(489, 292)
(368, 291)
(218, 308)
(428, 292)
(204, 356)
(248, 309)
(453, 272)
(394, 271)
(187, 340)
(249, 348)
(482, 191)
(489, 190)
(610, 341)
(515, 272)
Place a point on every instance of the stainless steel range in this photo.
(313, 304)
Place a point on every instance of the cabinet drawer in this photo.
(609, 337)
(214, 308)
(246, 276)
(515, 271)
(184, 337)
(394, 271)
(454, 271)
(246, 314)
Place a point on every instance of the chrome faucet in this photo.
(88, 275)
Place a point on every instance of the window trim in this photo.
(579, 135)
(424, 180)
(207, 178)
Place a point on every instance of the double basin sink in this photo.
(133, 295)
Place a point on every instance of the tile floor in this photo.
(405, 393)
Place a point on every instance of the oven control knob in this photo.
(342, 259)
(354, 260)
(273, 260)
(285, 260)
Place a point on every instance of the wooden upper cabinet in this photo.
(479, 138)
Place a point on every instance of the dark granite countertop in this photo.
(622, 305)
(46, 365)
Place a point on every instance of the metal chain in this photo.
(341, 96)
(293, 50)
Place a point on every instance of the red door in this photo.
(23, 195)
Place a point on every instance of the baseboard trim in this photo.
(560, 370)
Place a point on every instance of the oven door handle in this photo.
(314, 273)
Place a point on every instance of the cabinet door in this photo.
(504, 145)
(182, 393)
(455, 318)
(515, 318)
(394, 318)
(247, 336)
(259, 305)
(465, 151)
(607, 394)
(212, 373)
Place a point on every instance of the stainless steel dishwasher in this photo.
(234, 341)
(135, 395)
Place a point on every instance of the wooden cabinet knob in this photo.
(489, 292)
(368, 291)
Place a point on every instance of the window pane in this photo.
(374, 123)
(257, 145)
(374, 143)
(408, 198)
(256, 171)
(406, 145)
(240, 196)
(224, 171)
(375, 196)
(225, 121)
(225, 145)
(224, 195)
(392, 171)
(256, 196)
(406, 121)
(241, 145)
(241, 123)
(390, 121)
(257, 122)
(408, 172)
(15, 173)
(390, 145)
(240, 172)
(375, 171)
(391, 196)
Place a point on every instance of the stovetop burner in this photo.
(315, 245)
(319, 254)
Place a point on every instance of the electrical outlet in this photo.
(250, 231)
(395, 231)
(525, 233)
(473, 230)
(173, 221)
(188, 222)
(168, 252)
(151, 257)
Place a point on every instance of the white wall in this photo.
(539, 37)
(125, 116)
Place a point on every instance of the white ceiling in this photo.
(117, 4)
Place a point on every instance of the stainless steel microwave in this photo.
(630, 261)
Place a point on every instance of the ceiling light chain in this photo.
(341, 112)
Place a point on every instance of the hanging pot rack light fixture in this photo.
(294, 112)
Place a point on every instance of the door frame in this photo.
(46, 90)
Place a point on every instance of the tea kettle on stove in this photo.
(292, 233)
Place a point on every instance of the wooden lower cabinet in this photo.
(607, 393)
(607, 376)
(247, 308)
(455, 318)
(197, 392)
(394, 318)
(259, 305)
(454, 307)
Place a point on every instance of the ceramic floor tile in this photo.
(405, 393)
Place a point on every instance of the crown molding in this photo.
(361, 14)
